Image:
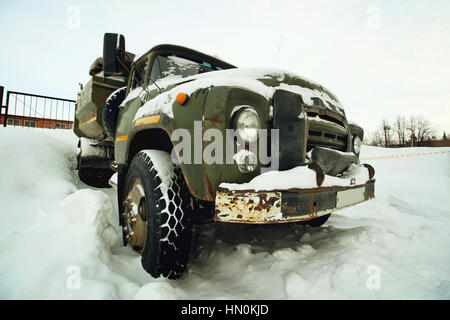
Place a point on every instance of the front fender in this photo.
(216, 114)
(207, 108)
(356, 130)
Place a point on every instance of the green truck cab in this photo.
(186, 138)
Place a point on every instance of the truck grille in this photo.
(294, 141)
(326, 131)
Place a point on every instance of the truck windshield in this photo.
(173, 66)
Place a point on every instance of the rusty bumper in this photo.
(279, 206)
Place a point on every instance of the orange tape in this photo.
(398, 156)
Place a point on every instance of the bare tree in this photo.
(386, 127)
(424, 129)
(400, 126)
(421, 128)
(413, 129)
(376, 139)
(381, 136)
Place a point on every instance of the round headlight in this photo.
(357, 144)
(247, 124)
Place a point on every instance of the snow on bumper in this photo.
(289, 204)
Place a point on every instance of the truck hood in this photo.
(263, 81)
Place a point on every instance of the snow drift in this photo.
(61, 238)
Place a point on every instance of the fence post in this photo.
(6, 109)
(2, 89)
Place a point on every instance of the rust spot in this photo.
(216, 119)
(288, 209)
(250, 207)
(262, 197)
(264, 203)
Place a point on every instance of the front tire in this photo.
(156, 218)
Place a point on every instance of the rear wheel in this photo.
(94, 177)
(156, 214)
(111, 111)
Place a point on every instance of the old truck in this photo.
(187, 138)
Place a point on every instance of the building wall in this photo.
(38, 122)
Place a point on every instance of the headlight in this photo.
(357, 144)
(247, 124)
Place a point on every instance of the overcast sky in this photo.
(381, 58)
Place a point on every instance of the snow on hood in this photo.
(263, 81)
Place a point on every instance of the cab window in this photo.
(165, 66)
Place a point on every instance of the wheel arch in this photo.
(153, 138)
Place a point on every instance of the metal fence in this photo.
(36, 111)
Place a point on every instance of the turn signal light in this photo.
(182, 98)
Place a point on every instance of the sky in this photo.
(381, 58)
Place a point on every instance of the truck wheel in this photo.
(111, 111)
(156, 219)
(317, 222)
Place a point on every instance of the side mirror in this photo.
(113, 50)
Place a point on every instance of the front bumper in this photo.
(293, 205)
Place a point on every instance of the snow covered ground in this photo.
(60, 238)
